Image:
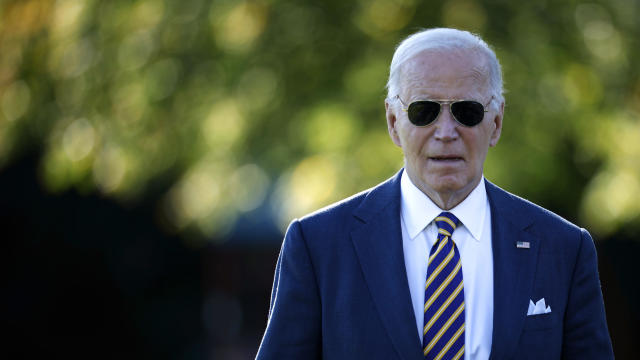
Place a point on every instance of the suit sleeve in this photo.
(585, 327)
(293, 326)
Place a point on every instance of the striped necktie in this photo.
(443, 332)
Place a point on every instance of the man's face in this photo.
(444, 159)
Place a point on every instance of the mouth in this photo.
(446, 158)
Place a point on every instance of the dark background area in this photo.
(85, 277)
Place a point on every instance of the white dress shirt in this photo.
(473, 240)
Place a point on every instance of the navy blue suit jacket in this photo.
(341, 291)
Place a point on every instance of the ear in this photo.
(392, 123)
(497, 120)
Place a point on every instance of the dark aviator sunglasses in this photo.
(466, 112)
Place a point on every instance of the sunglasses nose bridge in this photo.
(446, 125)
(445, 110)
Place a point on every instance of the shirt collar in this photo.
(418, 210)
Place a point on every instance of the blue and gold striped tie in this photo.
(443, 332)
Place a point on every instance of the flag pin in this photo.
(522, 244)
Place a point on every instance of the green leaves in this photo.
(241, 104)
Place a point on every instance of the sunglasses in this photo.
(466, 112)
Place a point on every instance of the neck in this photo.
(447, 201)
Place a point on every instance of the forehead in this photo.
(450, 74)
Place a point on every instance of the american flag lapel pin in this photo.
(522, 244)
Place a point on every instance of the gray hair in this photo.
(444, 39)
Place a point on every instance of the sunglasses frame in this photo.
(442, 102)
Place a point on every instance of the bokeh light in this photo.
(238, 105)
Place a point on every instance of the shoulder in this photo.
(551, 228)
(339, 210)
(341, 217)
(522, 210)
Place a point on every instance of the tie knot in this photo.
(446, 223)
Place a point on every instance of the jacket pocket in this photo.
(540, 322)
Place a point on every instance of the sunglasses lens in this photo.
(423, 113)
(468, 113)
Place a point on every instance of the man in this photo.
(437, 262)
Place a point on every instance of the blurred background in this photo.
(153, 152)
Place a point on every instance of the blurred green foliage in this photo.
(238, 104)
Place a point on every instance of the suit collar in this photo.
(502, 200)
(380, 197)
(513, 269)
(377, 240)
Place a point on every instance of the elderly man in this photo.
(437, 262)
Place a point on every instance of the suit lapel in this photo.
(377, 239)
(513, 268)
(378, 243)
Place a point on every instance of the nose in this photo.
(446, 125)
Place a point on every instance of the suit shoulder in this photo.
(328, 225)
(337, 210)
(340, 217)
(529, 211)
(557, 234)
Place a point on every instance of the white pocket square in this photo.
(539, 308)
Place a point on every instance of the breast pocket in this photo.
(541, 322)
